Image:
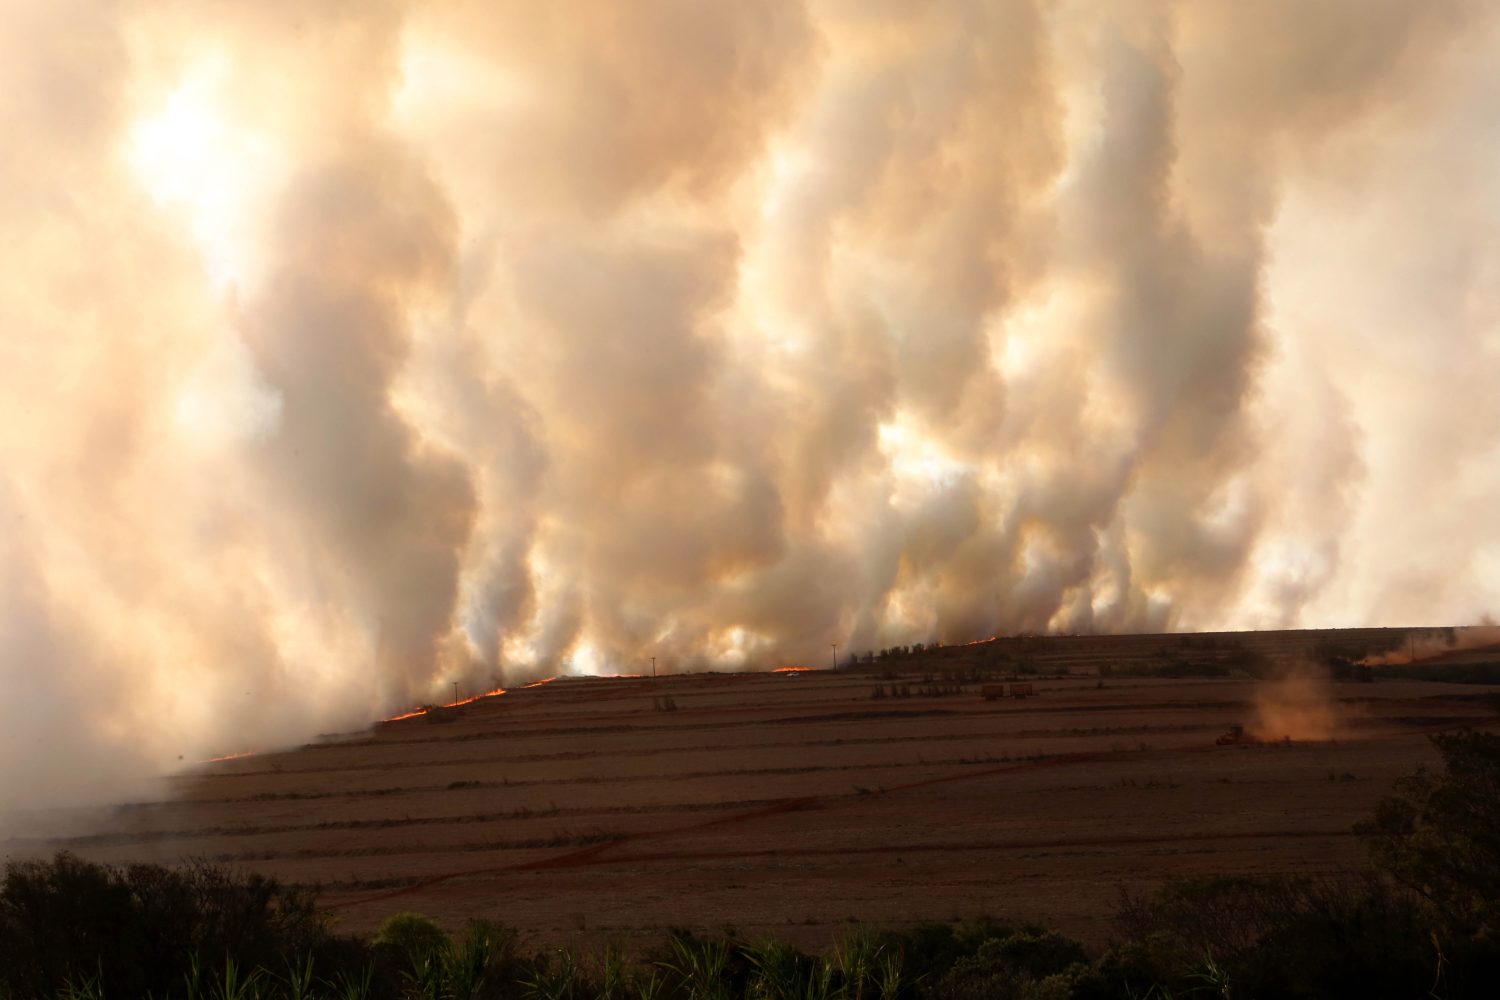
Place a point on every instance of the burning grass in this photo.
(435, 710)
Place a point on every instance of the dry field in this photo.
(796, 803)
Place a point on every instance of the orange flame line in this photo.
(455, 704)
(229, 756)
(420, 710)
(488, 694)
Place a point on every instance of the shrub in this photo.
(1276, 936)
(1440, 836)
(1026, 964)
(412, 937)
(138, 928)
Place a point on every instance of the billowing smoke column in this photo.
(351, 349)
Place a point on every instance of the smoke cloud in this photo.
(351, 350)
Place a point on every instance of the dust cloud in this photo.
(1299, 705)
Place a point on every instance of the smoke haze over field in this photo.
(351, 349)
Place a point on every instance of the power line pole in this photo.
(653, 666)
(835, 656)
(455, 692)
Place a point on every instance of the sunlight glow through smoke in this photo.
(191, 157)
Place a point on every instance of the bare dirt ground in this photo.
(794, 804)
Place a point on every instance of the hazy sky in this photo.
(348, 349)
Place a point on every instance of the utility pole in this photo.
(835, 656)
(653, 666)
(455, 692)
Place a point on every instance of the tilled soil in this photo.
(794, 804)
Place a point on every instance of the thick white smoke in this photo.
(348, 350)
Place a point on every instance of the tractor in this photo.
(1234, 737)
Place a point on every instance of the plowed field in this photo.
(795, 803)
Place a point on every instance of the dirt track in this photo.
(795, 803)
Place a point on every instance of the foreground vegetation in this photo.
(1424, 922)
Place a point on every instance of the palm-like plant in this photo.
(236, 984)
(553, 979)
(649, 984)
(856, 957)
(467, 964)
(193, 978)
(427, 978)
(777, 971)
(820, 985)
(351, 987)
(89, 988)
(1214, 977)
(614, 980)
(299, 979)
(890, 978)
(700, 966)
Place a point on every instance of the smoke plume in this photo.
(349, 350)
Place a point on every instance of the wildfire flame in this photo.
(424, 709)
(229, 756)
(497, 692)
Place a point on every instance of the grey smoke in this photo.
(352, 350)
